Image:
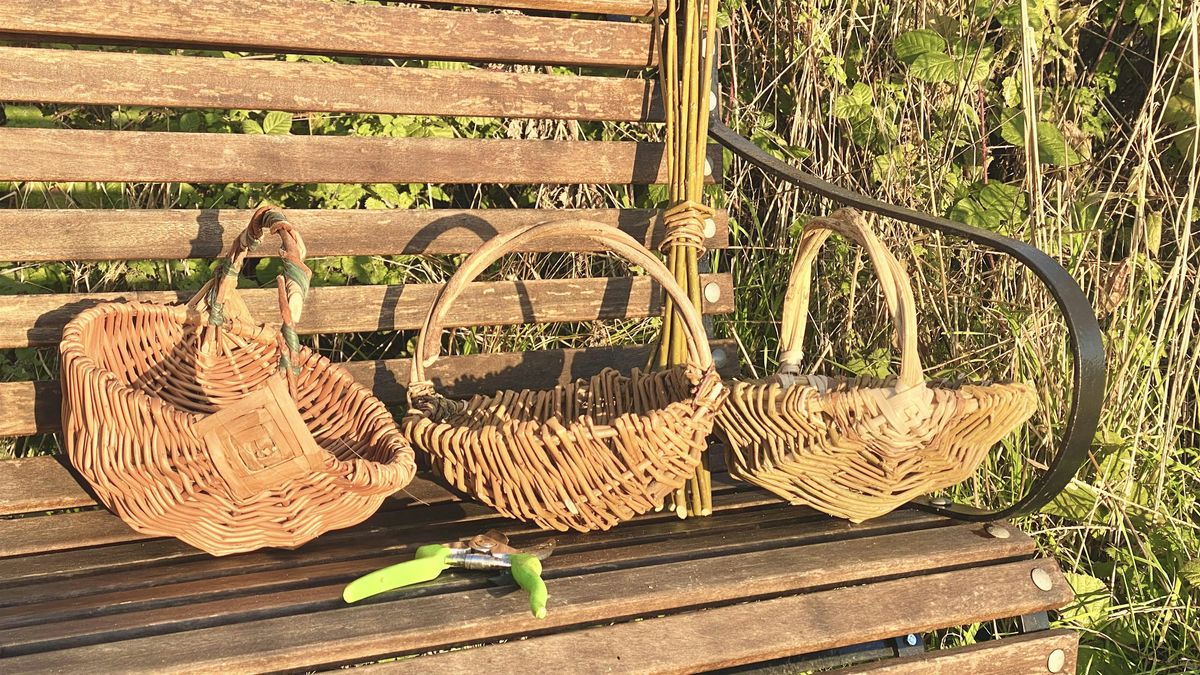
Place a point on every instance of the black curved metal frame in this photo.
(1087, 345)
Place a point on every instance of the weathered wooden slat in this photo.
(64, 531)
(618, 7)
(35, 235)
(744, 634)
(35, 320)
(159, 157)
(35, 407)
(58, 581)
(38, 483)
(417, 624)
(107, 78)
(1018, 655)
(304, 26)
(644, 541)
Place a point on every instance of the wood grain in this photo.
(771, 629)
(304, 27)
(36, 235)
(108, 78)
(36, 320)
(35, 407)
(160, 157)
(642, 541)
(1018, 655)
(621, 7)
(362, 633)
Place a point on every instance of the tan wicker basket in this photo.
(195, 422)
(858, 448)
(584, 456)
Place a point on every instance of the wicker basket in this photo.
(195, 422)
(584, 456)
(858, 448)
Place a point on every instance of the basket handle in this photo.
(430, 339)
(897, 291)
(220, 295)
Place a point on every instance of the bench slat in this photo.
(143, 234)
(363, 633)
(35, 407)
(161, 157)
(38, 320)
(762, 631)
(1009, 656)
(102, 78)
(321, 27)
(620, 7)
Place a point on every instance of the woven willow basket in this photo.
(858, 448)
(584, 456)
(195, 422)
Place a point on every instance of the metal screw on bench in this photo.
(998, 531)
(940, 501)
(719, 357)
(1058, 659)
(911, 639)
(712, 292)
(1041, 579)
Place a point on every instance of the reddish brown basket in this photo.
(195, 422)
(857, 448)
(584, 456)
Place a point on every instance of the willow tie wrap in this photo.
(581, 456)
(859, 447)
(685, 225)
(196, 422)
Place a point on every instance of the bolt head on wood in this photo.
(712, 101)
(708, 169)
(1056, 661)
(719, 357)
(712, 292)
(998, 531)
(911, 640)
(940, 501)
(710, 228)
(1041, 579)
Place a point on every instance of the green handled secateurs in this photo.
(488, 551)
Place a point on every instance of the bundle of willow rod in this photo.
(686, 79)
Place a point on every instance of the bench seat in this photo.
(758, 581)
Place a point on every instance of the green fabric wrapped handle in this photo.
(527, 571)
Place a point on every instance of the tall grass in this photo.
(1106, 182)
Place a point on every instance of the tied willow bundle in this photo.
(686, 79)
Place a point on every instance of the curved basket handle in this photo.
(220, 294)
(429, 341)
(897, 291)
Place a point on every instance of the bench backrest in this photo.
(389, 61)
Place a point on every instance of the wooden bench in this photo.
(756, 582)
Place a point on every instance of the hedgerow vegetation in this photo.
(1071, 125)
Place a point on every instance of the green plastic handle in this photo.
(527, 570)
(428, 563)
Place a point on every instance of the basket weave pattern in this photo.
(194, 422)
(857, 448)
(584, 456)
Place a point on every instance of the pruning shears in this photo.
(487, 551)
